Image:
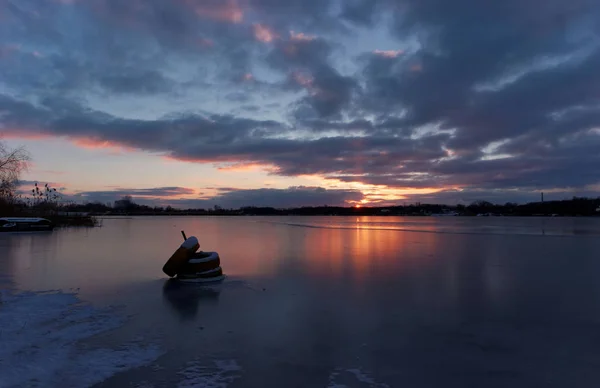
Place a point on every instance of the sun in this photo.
(357, 206)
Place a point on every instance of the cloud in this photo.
(228, 10)
(263, 33)
(301, 37)
(329, 92)
(146, 196)
(226, 197)
(388, 53)
(147, 82)
(284, 198)
(477, 96)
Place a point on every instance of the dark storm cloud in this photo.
(519, 72)
(536, 59)
(120, 46)
(472, 42)
(148, 82)
(330, 92)
(250, 108)
(143, 196)
(306, 61)
(284, 198)
(227, 198)
(359, 12)
(310, 53)
(238, 97)
(151, 192)
(311, 15)
(218, 138)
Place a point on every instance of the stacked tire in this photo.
(202, 266)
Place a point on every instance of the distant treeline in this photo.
(573, 207)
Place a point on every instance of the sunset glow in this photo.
(226, 10)
(297, 106)
(389, 53)
(262, 33)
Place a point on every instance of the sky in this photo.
(196, 103)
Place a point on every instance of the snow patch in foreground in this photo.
(39, 335)
(220, 375)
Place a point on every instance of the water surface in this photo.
(311, 302)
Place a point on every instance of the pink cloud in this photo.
(389, 53)
(307, 81)
(90, 143)
(250, 166)
(225, 10)
(303, 79)
(83, 142)
(248, 77)
(263, 33)
(301, 37)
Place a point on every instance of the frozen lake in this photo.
(308, 302)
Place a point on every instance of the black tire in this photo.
(214, 273)
(201, 262)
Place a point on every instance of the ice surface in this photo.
(310, 307)
(345, 378)
(39, 342)
(218, 375)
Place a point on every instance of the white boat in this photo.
(25, 224)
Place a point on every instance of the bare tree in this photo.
(12, 163)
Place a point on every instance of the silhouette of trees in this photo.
(44, 198)
(572, 207)
(12, 163)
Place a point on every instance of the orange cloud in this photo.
(301, 37)
(303, 79)
(250, 166)
(226, 10)
(389, 53)
(216, 159)
(83, 142)
(90, 143)
(308, 82)
(263, 33)
(380, 195)
(226, 163)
